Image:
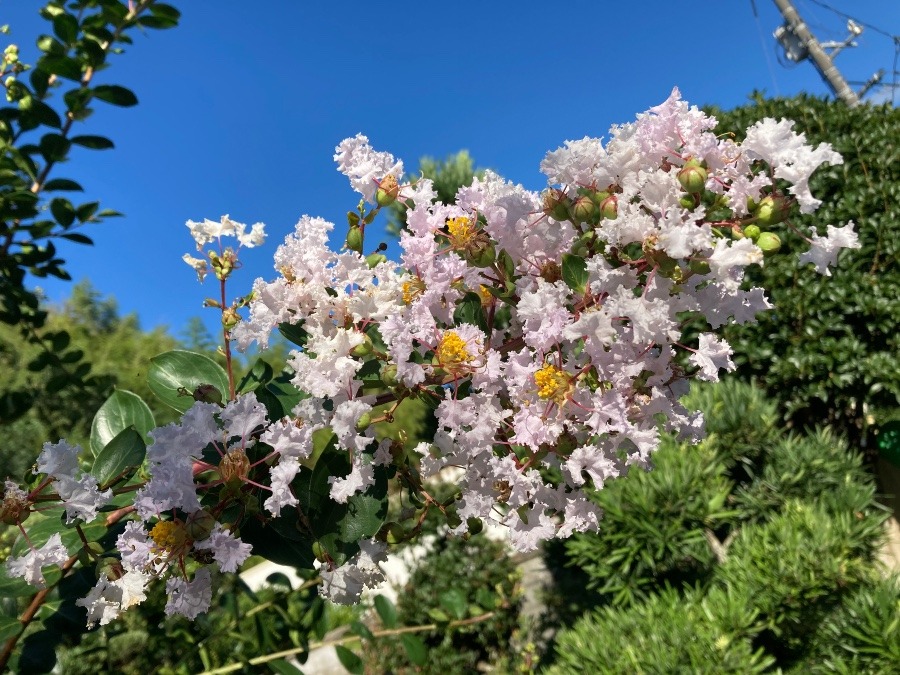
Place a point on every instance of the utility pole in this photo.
(820, 59)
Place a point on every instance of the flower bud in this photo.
(394, 533)
(230, 318)
(556, 204)
(753, 232)
(583, 210)
(364, 348)
(235, 465)
(769, 243)
(482, 254)
(609, 208)
(363, 422)
(475, 525)
(14, 508)
(354, 239)
(387, 192)
(319, 551)
(453, 519)
(688, 202)
(375, 259)
(208, 394)
(389, 375)
(772, 210)
(692, 177)
(199, 525)
(699, 266)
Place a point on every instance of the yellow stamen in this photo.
(451, 351)
(412, 289)
(461, 232)
(168, 535)
(485, 295)
(553, 384)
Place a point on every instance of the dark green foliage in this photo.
(759, 544)
(669, 633)
(654, 523)
(829, 349)
(456, 580)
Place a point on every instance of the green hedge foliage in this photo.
(828, 351)
(754, 550)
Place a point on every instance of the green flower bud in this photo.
(394, 533)
(387, 192)
(354, 239)
(389, 375)
(364, 348)
(453, 519)
(199, 525)
(375, 259)
(769, 243)
(753, 232)
(772, 210)
(475, 525)
(363, 423)
(230, 318)
(556, 204)
(609, 208)
(319, 551)
(688, 202)
(483, 254)
(583, 210)
(693, 178)
(208, 393)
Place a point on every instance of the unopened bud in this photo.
(583, 210)
(208, 394)
(693, 177)
(319, 551)
(752, 231)
(235, 465)
(772, 210)
(375, 259)
(14, 508)
(556, 204)
(482, 254)
(354, 239)
(609, 208)
(363, 422)
(230, 318)
(769, 243)
(199, 525)
(364, 348)
(389, 375)
(475, 525)
(388, 191)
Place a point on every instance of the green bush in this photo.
(752, 549)
(455, 581)
(828, 351)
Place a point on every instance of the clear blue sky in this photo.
(242, 104)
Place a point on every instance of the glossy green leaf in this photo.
(9, 627)
(415, 649)
(93, 142)
(62, 66)
(123, 409)
(60, 184)
(387, 612)
(574, 272)
(183, 370)
(125, 451)
(113, 93)
(62, 211)
(260, 374)
(349, 660)
(66, 28)
(470, 310)
(282, 667)
(294, 333)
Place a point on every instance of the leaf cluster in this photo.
(828, 351)
(755, 542)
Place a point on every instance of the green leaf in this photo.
(386, 611)
(78, 238)
(166, 11)
(454, 601)
(123, 452)
(120, 411)
(360, 629)
(415, 649)
(66, 28)
(50, 45)
(294, 333)
(113, 93)
(260, 374)
(469, 310)
(349, 660)
(62, 211)
(282, 667)
(93, 142)
(62, 184)
(9, 627)
(574, 272)
(183, 370)
(62, 66)
(54, 147)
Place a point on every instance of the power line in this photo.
(895, 38)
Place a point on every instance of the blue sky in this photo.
(241, 107)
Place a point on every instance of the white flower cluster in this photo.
(543, 328)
